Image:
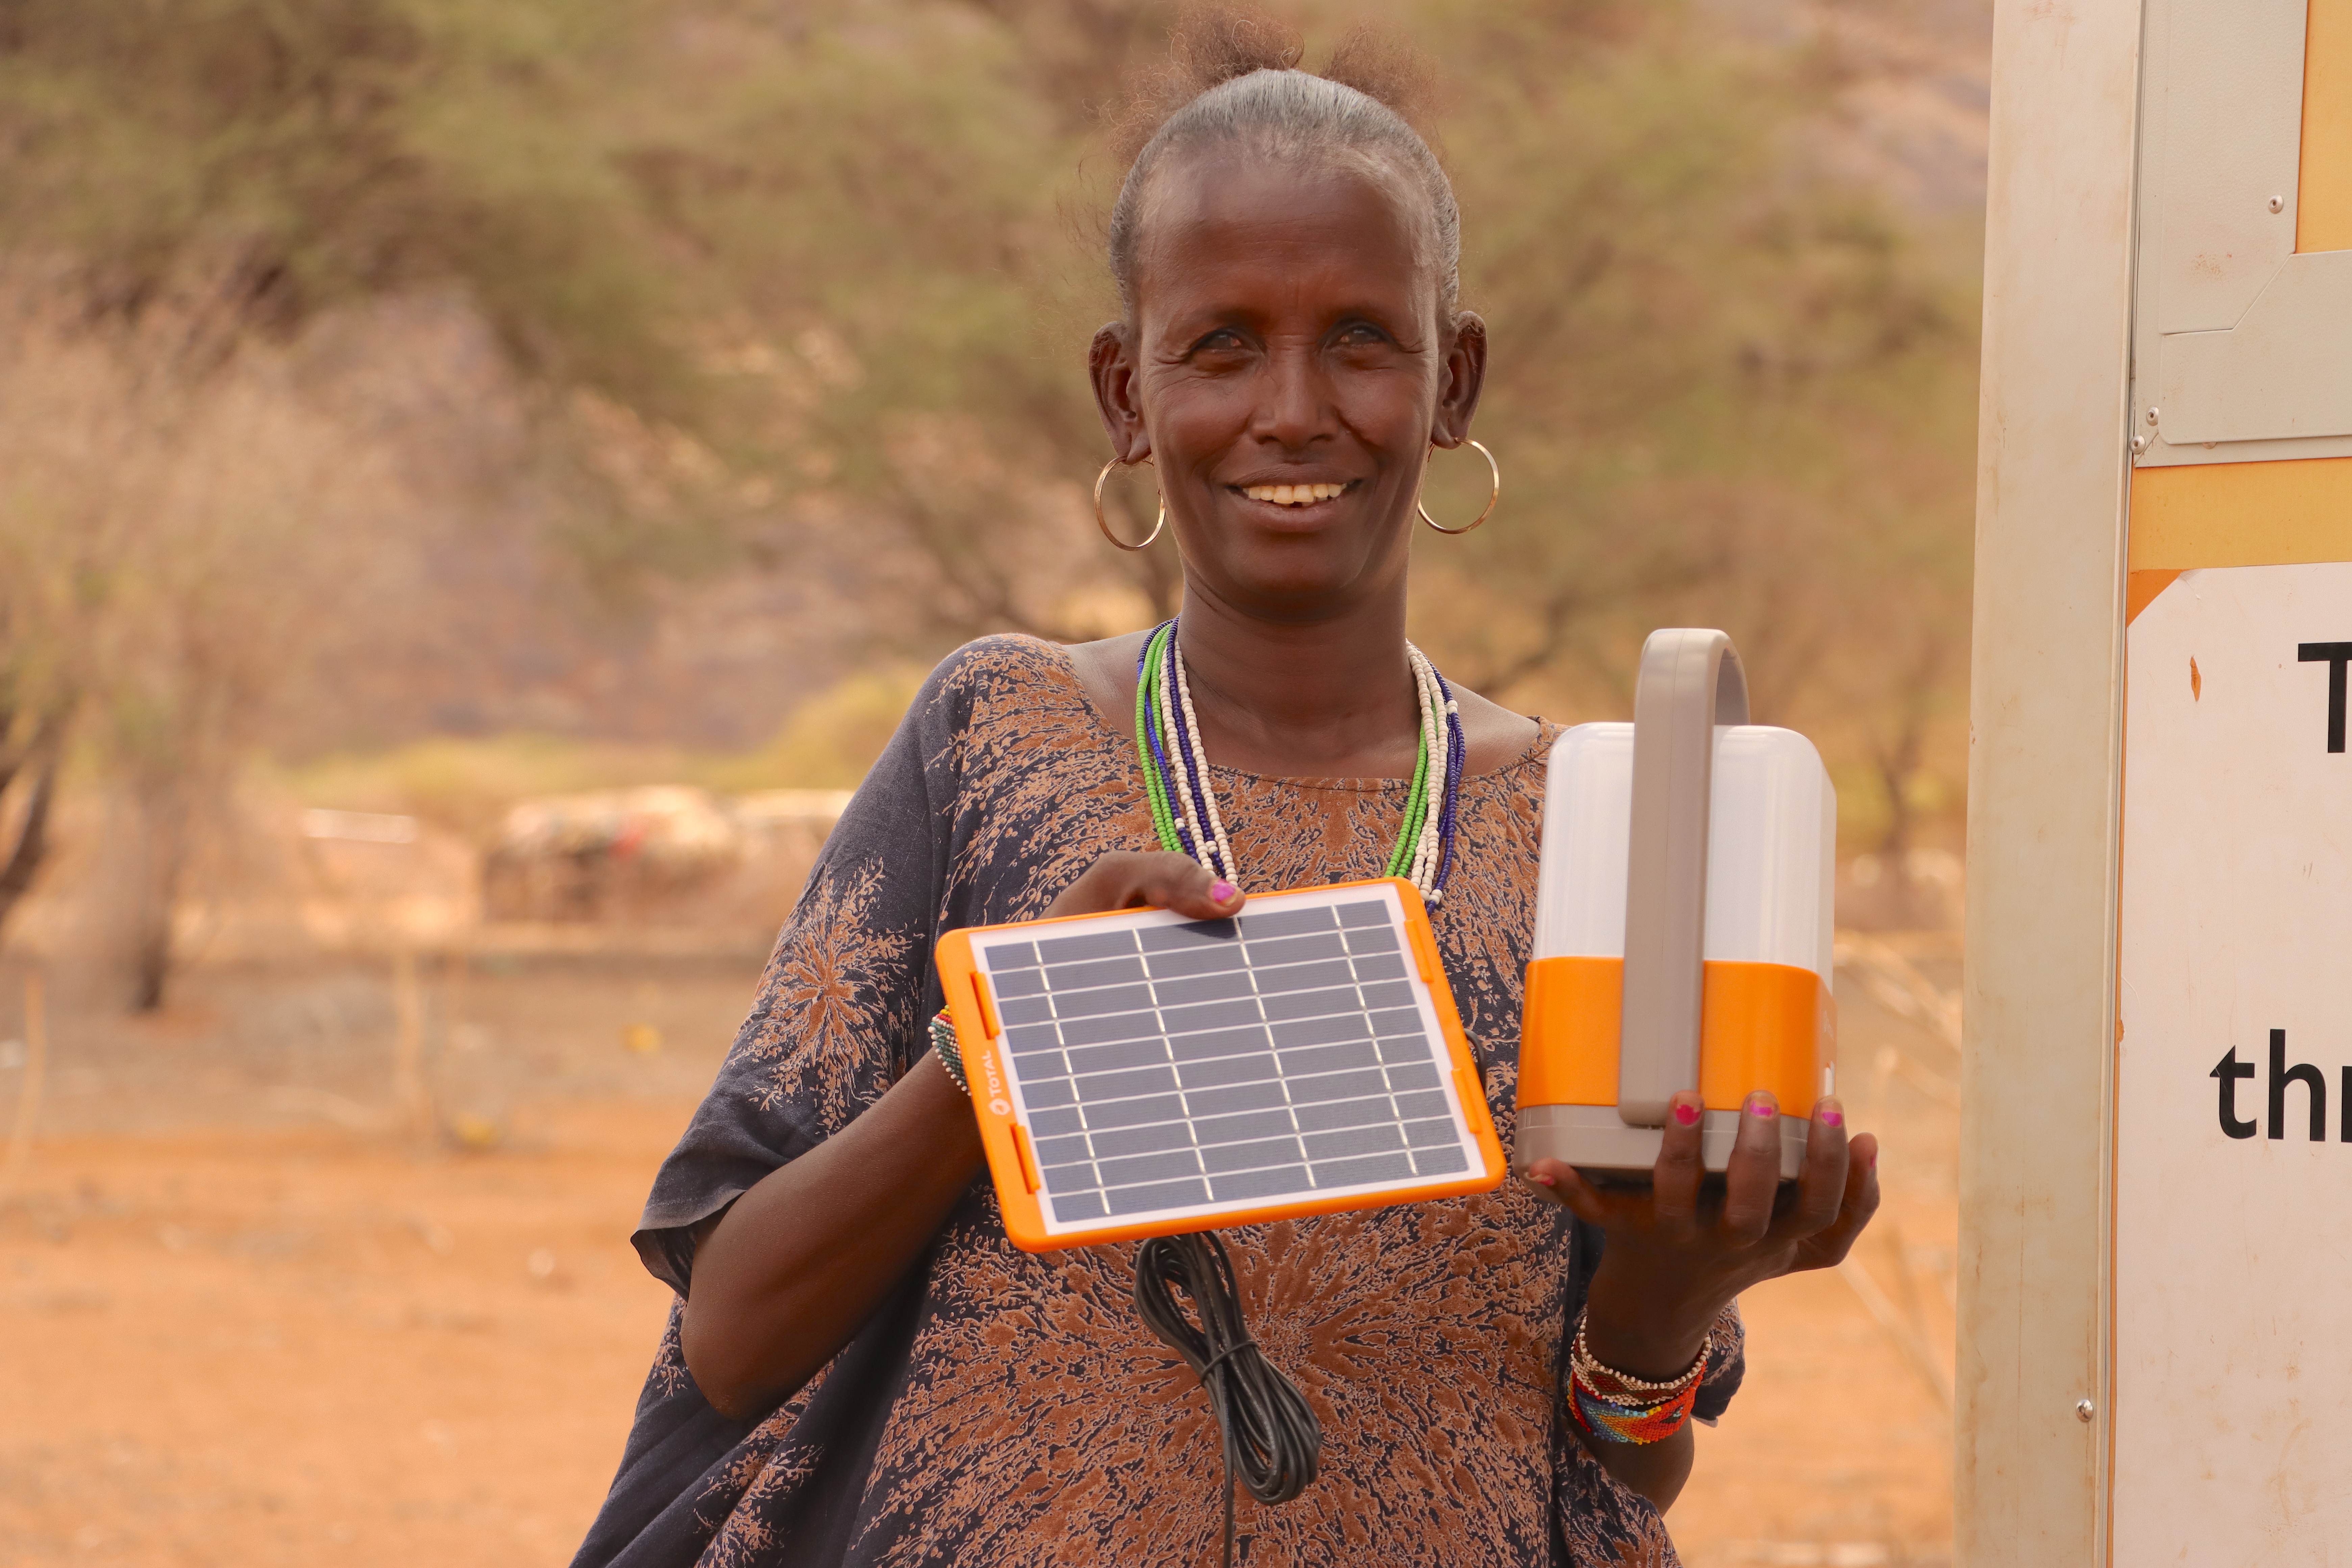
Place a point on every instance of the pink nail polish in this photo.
(1759, 1106)
(1832, 1118)
(1541, 1177)
(1222, 892)
(1686, 1114)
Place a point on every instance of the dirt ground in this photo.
(248, 1317)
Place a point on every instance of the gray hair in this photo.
(1295, 116)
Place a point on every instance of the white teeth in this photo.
(1294, 495)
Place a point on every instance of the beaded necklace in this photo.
(1184, 801)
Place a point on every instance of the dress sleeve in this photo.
(1726, 1365)
(838, 1014)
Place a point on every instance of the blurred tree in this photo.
(37, 668)
(1700, 347)
(174, 529)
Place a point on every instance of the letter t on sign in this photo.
(2336, 654)
(2230, 1069)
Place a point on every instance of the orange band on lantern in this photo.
(1770, 1026)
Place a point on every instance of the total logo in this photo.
(1001, 1106)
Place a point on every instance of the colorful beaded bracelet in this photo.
(1616, 1423)
(1617, 1407)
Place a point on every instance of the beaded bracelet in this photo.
(1616, 1423)
(1580, 1357)
(1617, 1407)
(951, 1055)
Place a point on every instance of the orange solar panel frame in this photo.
(1012, 1147)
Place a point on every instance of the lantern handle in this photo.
(1691, 682)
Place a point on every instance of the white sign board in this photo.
(2232, 1347)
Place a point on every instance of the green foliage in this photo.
(306, 155)
(828, 743)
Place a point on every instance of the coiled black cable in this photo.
(1271, 1440)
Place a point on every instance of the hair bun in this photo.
(1383, 66)
(1211, 44)
(1214, 43)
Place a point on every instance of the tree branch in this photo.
(43, 753)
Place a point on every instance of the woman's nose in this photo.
(1295, 406)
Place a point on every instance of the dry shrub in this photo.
(182, 529)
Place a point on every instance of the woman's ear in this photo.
(1466, 374)
(1111, 364)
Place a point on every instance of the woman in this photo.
(862, 1369)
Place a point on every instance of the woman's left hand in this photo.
(1678, 1252)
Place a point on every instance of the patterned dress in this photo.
(1009, 1409)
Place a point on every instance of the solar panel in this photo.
(1142, 1074)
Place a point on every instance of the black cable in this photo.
(1271, 1439)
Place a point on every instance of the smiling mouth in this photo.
(1294, 495)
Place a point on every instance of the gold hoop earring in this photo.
(1104, 524)
(1492, 466)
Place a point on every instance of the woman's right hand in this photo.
(787, 1275)
(1680, 1249)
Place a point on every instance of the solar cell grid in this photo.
(1278, 1053)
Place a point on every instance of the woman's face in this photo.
(1285, 371)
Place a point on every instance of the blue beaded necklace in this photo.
(1184, 801)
